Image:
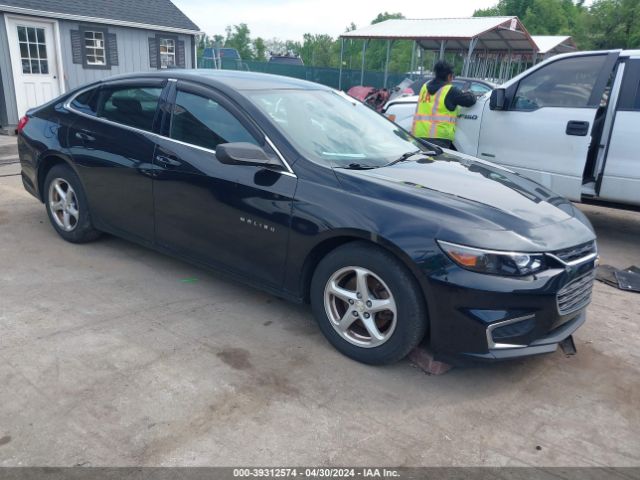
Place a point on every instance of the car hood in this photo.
(470, 197)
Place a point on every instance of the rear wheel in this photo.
(368, 304)
(67, 206)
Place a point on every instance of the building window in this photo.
(94, 48)
(167, 52)
(33, 50)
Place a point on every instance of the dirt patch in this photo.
(4, 440)
(237, 358)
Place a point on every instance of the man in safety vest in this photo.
(437, 111)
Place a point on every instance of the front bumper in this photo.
(482, 317)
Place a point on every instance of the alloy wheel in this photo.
(63, 203)
(360, 307)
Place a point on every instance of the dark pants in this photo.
(441, 142)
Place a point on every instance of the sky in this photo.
(289, 19)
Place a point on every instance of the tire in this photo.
(71, 219)
(395, 304)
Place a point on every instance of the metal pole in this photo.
(364, 52)
(341, 56)
(467, 62)
(442, 44)
(386, 64)
(413, 59)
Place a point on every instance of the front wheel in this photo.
(367, 304)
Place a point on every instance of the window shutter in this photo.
(76, 46)
(180, 54)
(112, 50)
(153, 53)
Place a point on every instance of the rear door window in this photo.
(566, 83)
(630, 90)
(200, 120)
(134, 106)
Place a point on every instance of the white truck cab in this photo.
(570, 123)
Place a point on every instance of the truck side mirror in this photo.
(498, 99)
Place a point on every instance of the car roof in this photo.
(237, 80)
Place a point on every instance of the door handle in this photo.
(166, 162)
(85, 137)
(577, 128)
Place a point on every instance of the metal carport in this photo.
(549, 45)
(480, 38)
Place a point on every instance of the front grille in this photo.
(576, 294)
(577, 252)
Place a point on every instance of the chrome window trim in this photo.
(497, 346)
(289, 172)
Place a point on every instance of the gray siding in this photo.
(8, 107)
(133, 54)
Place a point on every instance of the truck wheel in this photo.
(367, 304)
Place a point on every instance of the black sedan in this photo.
(306, 193)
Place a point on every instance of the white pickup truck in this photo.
(571, 123)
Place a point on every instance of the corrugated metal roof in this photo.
(556, 43)
(493, 33)
(162, 13)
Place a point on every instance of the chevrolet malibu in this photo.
(301, 191)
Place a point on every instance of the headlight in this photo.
(494, 262)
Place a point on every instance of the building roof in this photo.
(154, 14)
(554, 43)
(493, 33)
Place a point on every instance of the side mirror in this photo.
(498, 100)
(244, 153)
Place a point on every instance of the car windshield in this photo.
(329, 128)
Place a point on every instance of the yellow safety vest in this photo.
(432, 118)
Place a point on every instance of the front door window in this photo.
(33, 50)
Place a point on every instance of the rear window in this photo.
(132, 106)
(86, 102)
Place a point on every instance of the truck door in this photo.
(620, 181)
(543, 131)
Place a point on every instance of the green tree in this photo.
(260, 49)
(239, 38)
(546, 17)
(614, 24)
(319, 50)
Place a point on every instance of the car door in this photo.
(112, 143)
(621, 174)
(232, 217)
(544, 133)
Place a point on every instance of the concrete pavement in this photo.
(8, 150)
(113, 355)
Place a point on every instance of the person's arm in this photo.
(457, 97)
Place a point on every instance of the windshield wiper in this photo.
(406, 156)
(358, 166)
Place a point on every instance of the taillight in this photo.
(22, 123)
(391, 117)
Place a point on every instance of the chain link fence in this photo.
(325, 76)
